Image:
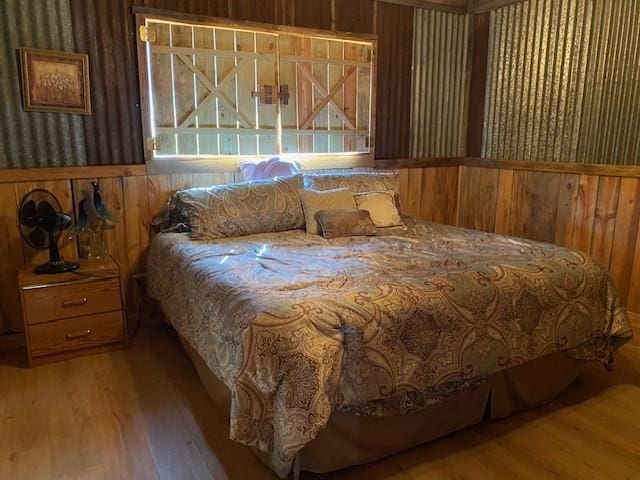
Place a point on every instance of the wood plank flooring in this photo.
(141, 413)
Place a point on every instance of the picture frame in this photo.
(55, 81)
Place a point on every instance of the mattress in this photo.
(299, 327)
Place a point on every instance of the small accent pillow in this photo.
(314, 201)
(271, 168)
(171, 219)
(381, 206)
(359, 182)
(238, 209)
(345, 223)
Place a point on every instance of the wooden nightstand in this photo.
(72, 314)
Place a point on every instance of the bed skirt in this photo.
(351, 440)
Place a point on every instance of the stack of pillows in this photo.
(331, 205)
(339, 205)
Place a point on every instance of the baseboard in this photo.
(11, 340)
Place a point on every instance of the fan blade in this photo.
(28, 214)
(98, 205)
(47, 216)
(83, 219)
(38, 238)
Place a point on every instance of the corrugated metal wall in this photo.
(564, 82)
(393, 113)
(211, 8)
(104, 30)
(316, 14)
(264, 11)
(355, 16)
(440, 64)
(34, 139)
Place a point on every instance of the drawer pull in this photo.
(74, 303)
(85, 333)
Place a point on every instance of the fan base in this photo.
(56, 267)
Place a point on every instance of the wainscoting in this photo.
(592, 209)
(133, 199)
(132, 196)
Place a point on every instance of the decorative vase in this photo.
(97, 246)
(93, 220)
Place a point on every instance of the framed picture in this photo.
(55, 81)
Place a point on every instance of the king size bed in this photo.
(333, 352)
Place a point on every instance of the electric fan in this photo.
(41, 223)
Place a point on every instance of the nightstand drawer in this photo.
(74, 333)
(71, 300)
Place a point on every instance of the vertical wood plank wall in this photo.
(596, 214)
(133, 198)
(394, 27)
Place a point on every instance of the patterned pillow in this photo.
(240, 209)
(314, 201)
(171, 218)
(345, 223)
(381, 206)
(355, 182)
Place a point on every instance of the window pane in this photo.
(213, 91)
(330, 85)
(161, 84)
(208, 144)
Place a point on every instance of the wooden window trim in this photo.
(175, 164)
(169, 165)
(205, 20)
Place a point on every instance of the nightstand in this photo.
(71, 314)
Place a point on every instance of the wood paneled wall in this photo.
(394, 26)
(430, 193)
(132, 197)
(598, 214)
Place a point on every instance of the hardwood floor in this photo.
(141, 413)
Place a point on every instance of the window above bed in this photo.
(219, 91)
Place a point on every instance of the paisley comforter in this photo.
(298, 326)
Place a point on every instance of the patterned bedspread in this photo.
(298, 326)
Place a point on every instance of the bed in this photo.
(329, 353)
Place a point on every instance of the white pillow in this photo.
(381, 206)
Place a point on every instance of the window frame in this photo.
(227, 163)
